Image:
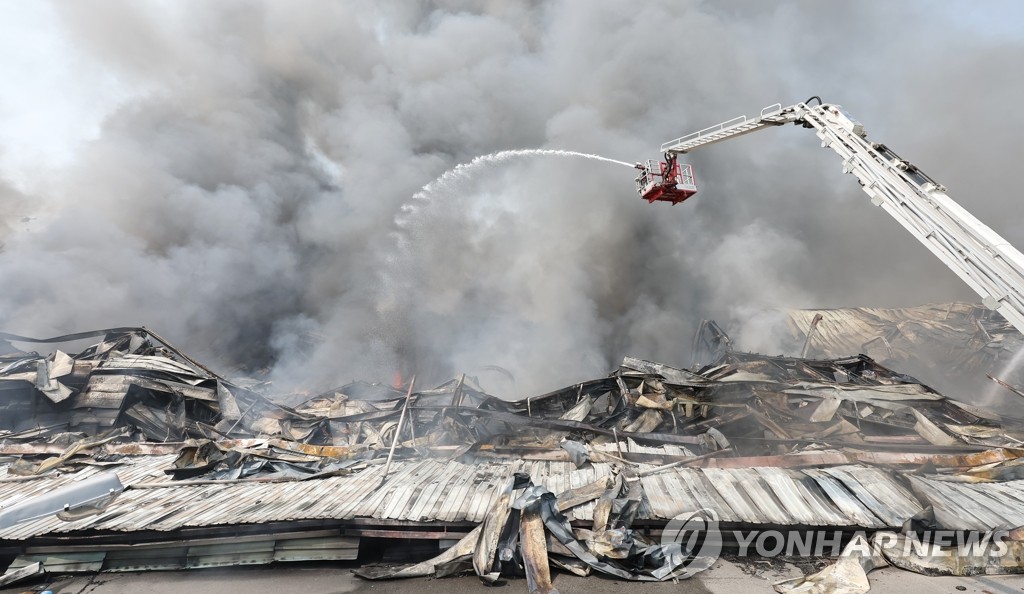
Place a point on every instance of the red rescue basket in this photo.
(665, 181)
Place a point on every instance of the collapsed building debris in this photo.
(588, 478)
(956, 345)
(133, 377)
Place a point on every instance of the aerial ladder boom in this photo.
(976, 253)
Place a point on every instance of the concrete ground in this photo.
(726, 577)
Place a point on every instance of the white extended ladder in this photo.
(977, 254)
(773, 115)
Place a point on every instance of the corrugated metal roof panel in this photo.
(974, 506)
(451, 491)
(847, 503)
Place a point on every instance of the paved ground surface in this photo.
(726, 577)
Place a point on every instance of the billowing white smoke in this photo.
(247, 200)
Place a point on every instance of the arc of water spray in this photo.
(391, 280)
(463, 169)
(1006, 372)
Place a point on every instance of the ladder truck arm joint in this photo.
(992, 267)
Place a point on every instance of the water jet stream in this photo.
(463, 169)
(409, 210)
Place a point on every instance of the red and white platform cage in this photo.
(661, 181)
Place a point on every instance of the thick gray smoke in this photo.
(247, 200)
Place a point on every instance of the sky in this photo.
(254, 180)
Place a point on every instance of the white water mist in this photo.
(409, 211)
(995, 390)
(464, 169)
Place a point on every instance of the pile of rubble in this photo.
(133, 442)
(958, 346)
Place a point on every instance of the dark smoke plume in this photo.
(246, 201)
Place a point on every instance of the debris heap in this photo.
(595, 477)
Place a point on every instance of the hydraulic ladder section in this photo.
(773, 115)
(983, 259)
